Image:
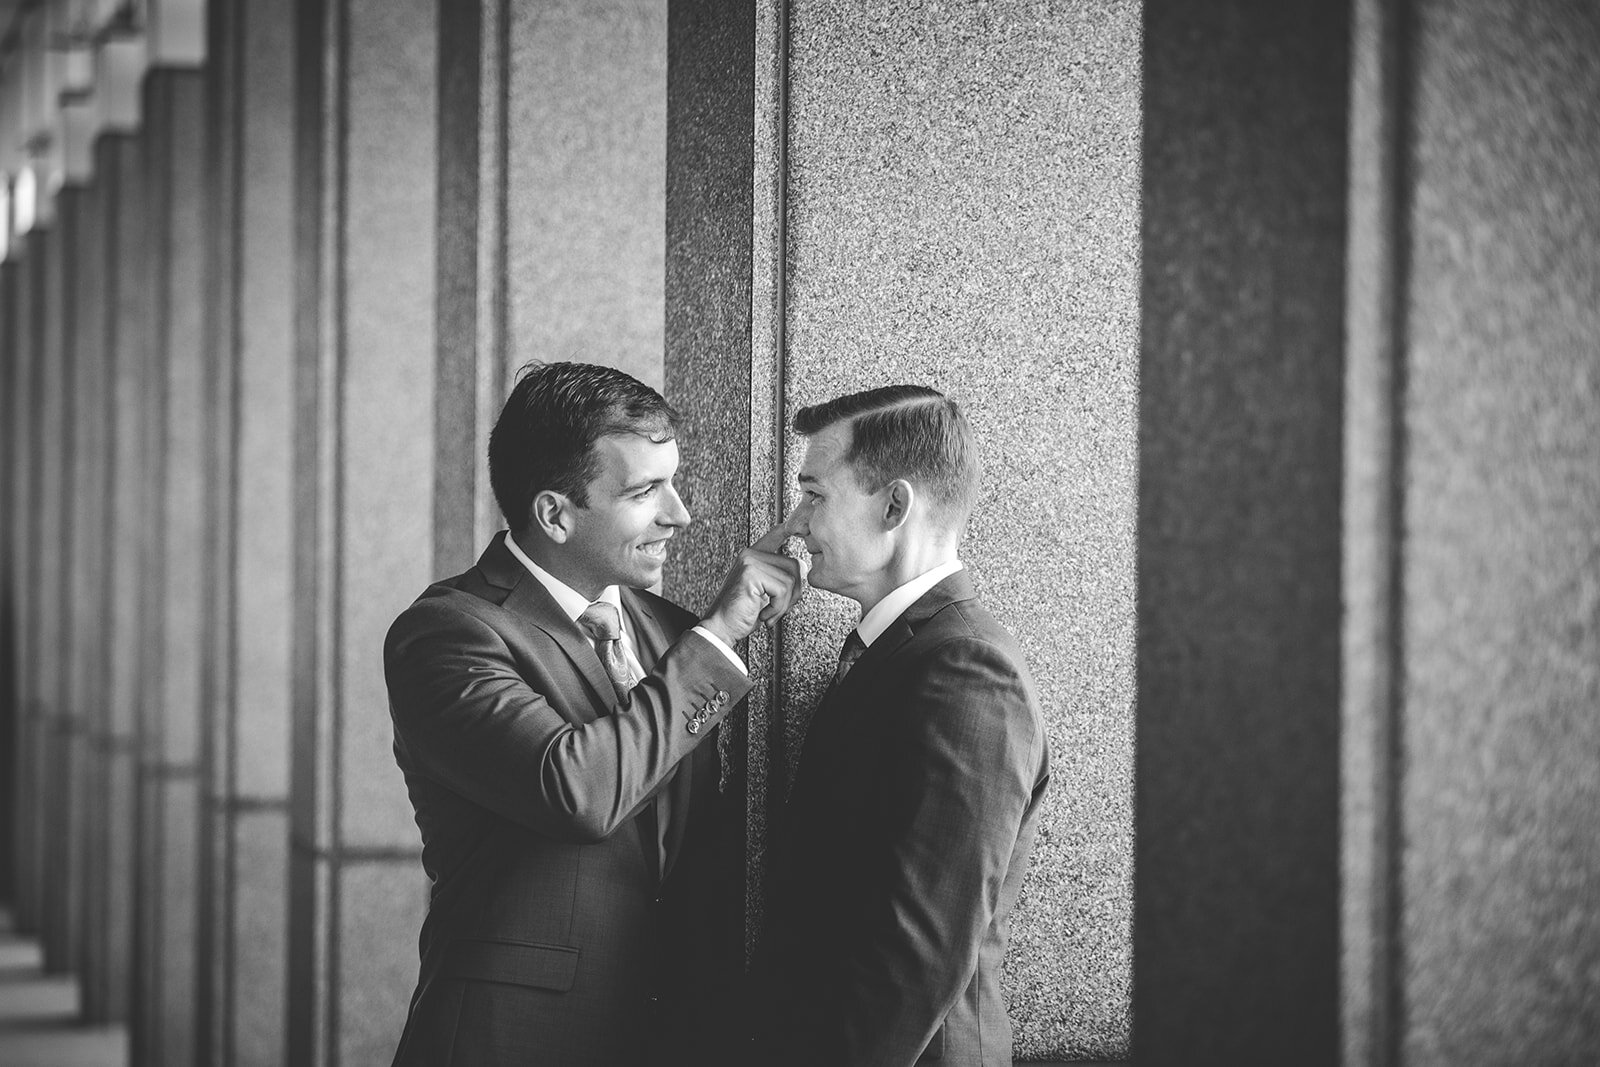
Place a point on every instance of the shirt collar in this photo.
(891, 607)
(567, 598)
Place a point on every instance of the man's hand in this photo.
(761, 586)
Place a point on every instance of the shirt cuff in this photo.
(722, 646)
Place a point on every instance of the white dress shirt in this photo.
(891, 607)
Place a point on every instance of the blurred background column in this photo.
(61, 810)
(1473, 546)
(165, 1026)
(16, 383)
(25, 427)
(1236, 934)
(86, 544)
(366, 166)
(128, 530)
(251, 331)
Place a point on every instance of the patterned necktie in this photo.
(853, 650)
(603, 624)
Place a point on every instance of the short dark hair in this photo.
(545, 436)
(905, 431)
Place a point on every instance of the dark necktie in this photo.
(603, 623)
(852, 651)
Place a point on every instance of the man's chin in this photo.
(646, 576)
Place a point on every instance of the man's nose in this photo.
(673, 513)
(800, 519)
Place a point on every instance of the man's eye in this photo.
(645, 493)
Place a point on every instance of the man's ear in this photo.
(898, 498)
(552, 515)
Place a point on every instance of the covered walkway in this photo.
(39, 1013)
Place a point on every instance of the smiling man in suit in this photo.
(916, 796)
(554, 723)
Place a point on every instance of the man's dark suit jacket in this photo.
(907, 832)
(551, 937)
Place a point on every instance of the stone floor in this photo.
(39, 1013)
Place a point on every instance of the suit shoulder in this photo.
(444, 604)
(970, 620)
(966, 631)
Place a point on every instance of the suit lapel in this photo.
(528, 599)
(650, 640)
(951, 590)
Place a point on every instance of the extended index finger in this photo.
(774, 538)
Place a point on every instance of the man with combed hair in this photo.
(554, 722)
(916, 796)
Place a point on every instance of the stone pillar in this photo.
(936, 196)
(129, 535)
(1236, 895)
(21, 450)
(32, 775)
(165, 1029)
(251, 326)
(1475, 482)
(60, 887)
(366, 162)
(14, 381)
(89, 553)
(709, 369)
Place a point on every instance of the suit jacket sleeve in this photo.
(465, 716)
(962, 770)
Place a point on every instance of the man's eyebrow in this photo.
(804, 477)
(645, 484)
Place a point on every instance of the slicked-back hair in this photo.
(546, 433)
(906, 431)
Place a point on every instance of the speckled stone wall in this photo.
(585, 164)
(951, 197)
(1500, 705)
(1236, 894)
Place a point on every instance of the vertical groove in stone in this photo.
(763, 499)
(1373, 522)
(779, 758)
(1399, 138)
